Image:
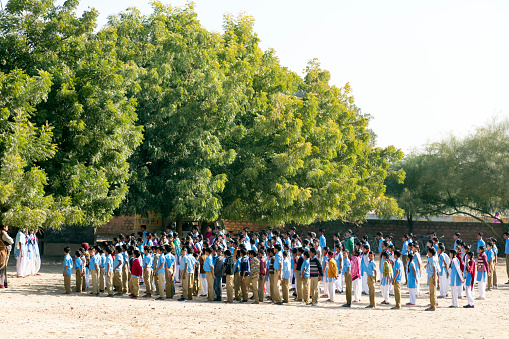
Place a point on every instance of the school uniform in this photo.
(298, 280)
(364, 275)
(136, 273)
(286, 275)
(67, 273)
(305, 272)
(404, 256)
(370, 272)
(479, 244)
(397, 273)
(348, 280)
(21, 254)
(338, 256)
(456, 281)
(418, 265)
(218, 277)
(385, 280)
(208, 267)
(325, 281)
(254, 266)
(278, 265)
(79, 267)
(261, 279)
(412, 281)
(443, 275)
(84, 277)
(101, 272)
(169, 265)
(237, 281)
(117, 273)
(94, 271)
(469, 283)
(191, 261)
(332, 273)
(315, 274)
(431, 282)
(108, 272)
(160, 272)
(245, 271)
(482, 273)
(147, 274)
(490, 256)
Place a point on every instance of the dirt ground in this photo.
(36, 307)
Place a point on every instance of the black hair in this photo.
(432, 251)
(67, 249)
(397, 253)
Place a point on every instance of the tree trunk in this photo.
(410, 222)
(179, 227)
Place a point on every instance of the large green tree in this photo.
(460, 175)
(92, 119)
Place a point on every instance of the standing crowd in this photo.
(283, 267)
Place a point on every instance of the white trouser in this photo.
(332, 289)
(19, 266)
(365, 287)
(267, 286)
(37, 264)
(413, 295)
(204, 285)
(482, 288)
(87, 279)
(325, 286)
(470, 294)
(385, 292)
(455, 292)
(391, 289)
(444, 284)
(357, 289)
(339, 283)
(418, 289)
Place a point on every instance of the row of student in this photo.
(243, 277)
(28, 258)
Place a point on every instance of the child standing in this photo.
(412, 281)
(79, 271)
(136, 273)
(482, 272)
(371, 272)
(355, 270)
(490, 256)
(147, 271)
(348, 278)
(456, 278)
(332, 275)
(470, 269)
(397, 273)
(443, 275)
(386, 279)
(109, 272)
(169, 266)
(304, 276)
(67, 270)
(286, 275)
(431, 271)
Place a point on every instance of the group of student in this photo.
(28, 258)
(270, 265)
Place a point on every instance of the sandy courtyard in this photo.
(36, 307)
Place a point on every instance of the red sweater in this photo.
(136, 269)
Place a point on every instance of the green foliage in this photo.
(92, 120)
(458, 176)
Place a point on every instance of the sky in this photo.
(422, 69)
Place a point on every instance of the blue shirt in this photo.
(479, 244)
(68, 263)
(190, 263)
(93, 260)
(380, 244)
(170, 260)
(304, 269)
(411, 275)
(429, 268)
(507, 246)
(207, 265)
(490, 255)
(109, 260)
(398, 266)
(79, 264)
(278, 260)
(119, 259)
(371, 268)
(103, 260)
(323, 241)
(160, 263)
(245, 268)
(404, 249)
(287, 269)
(236, 267)
(147, 261)
(346, 265)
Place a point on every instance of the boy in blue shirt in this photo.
(117, 270)
(431, 271)
(490, 254)
(79, 271)
(348, 278)
(108, 271)
(480, 242)
(67, 270)
(169, 267)
(286, 274)
(371, 272)
(147, 271)
(397, 273)
(159, 271)
(102, 266)
(304, 276)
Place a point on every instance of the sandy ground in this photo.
(36, 307)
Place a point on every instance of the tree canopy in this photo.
(458, 175)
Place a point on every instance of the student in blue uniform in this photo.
(67, 271)
(456, 278)
(108, 271)
(371, 272)
(147, 271)
(79, 271)
(412, 280)
(305, 271)
(480, 241)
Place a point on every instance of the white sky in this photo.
(423, 69)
